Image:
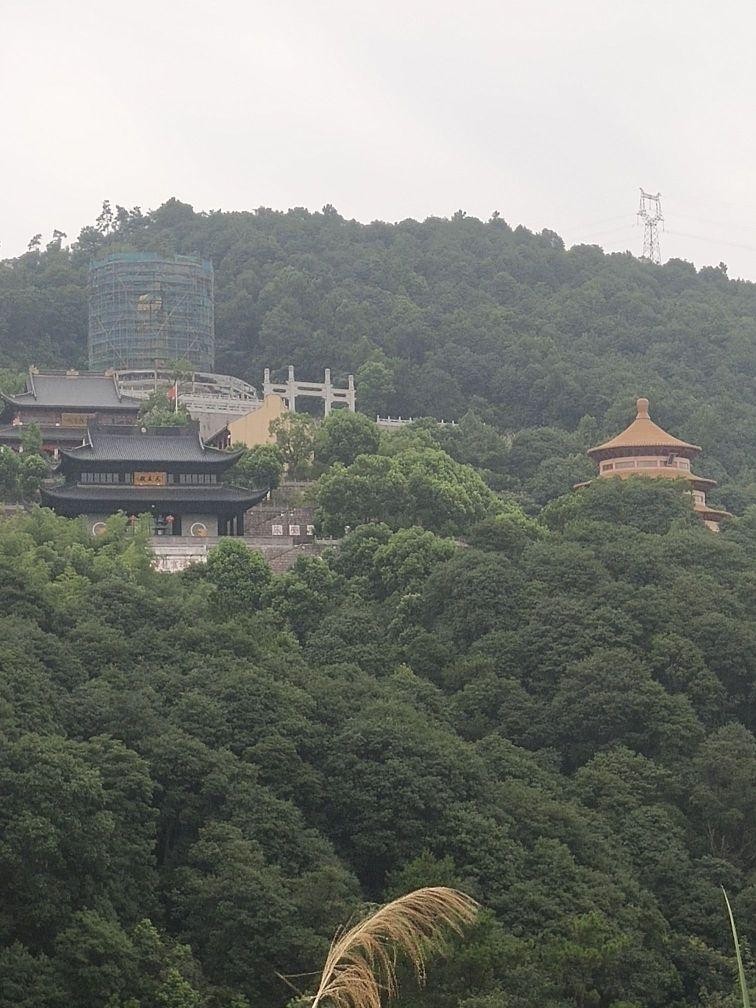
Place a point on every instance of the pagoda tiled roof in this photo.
(644, 433)
(72, 390)
(148, 445)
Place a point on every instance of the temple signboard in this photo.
(75, 419)
(150, 479)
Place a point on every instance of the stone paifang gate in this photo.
(330, 394)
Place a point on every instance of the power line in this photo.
(596, 223)
(597, 234)
(712, 241)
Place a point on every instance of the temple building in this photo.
(61, 404)
(167, 472)
(644, 449)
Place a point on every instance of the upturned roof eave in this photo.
(642, 433)
(214, 457)
(635, 448)
(218, 495)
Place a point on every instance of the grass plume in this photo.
(741, 971)
(361, 963)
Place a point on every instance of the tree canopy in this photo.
(203, 774)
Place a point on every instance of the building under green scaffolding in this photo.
(147, 310)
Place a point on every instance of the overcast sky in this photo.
(553, 113)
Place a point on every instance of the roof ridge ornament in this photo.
(642, 407)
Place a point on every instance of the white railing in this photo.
(402, 421)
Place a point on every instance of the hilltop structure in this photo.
(644, 449)
(293, 388)
(62, 404)
(146, 310)
(167, 472)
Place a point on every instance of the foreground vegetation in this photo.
(204, 774)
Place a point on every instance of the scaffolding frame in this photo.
(146, 310)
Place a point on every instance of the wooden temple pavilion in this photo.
(61, 404)
(167, 472)
(644, 449)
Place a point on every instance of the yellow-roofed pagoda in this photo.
(644, 449)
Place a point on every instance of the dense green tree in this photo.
(11, 381)
(377, 388)
(610, 698)
(343, 436)
(647, 505)
(723, 793)
(21, 474)
(10, 464)
(507, 532)
(303, 594)
(58, 836)
(404, 562)
(31, 472)
(95, 959)
(416, 486)
(238, 575)
(27, 980)
(160, 409)
(31, 440)
(295, 437)
(258, 467)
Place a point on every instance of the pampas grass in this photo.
(361, 963)
(741, 972)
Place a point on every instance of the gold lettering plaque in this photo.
(75, 419)
(150, 479)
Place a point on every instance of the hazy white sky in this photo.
(552, 113)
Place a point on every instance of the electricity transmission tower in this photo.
(650, 212)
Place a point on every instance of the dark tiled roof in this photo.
(49, 432)
(81, 391)
(150, 446)
(135, 496)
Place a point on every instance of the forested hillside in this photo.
(546, 699)
(202, 775)
(442, 318)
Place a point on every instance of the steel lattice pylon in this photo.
(650, 212)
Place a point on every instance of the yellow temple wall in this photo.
(254, 428)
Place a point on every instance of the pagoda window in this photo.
(607, 466)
